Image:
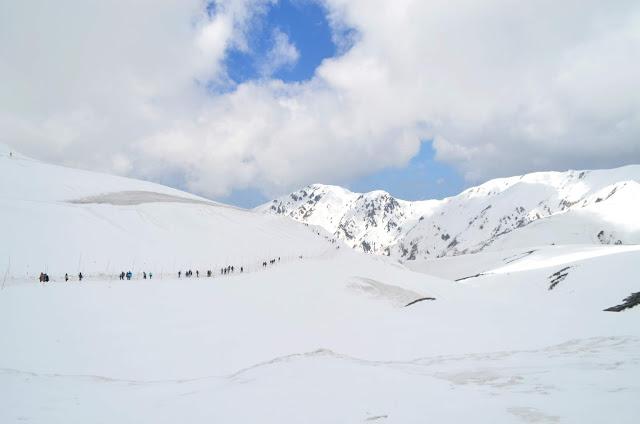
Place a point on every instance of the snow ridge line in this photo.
(590, 345)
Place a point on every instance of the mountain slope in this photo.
(334, 336)
(539, 208)
(62, 220)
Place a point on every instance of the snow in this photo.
(299, 342)
(61, 220)
(324, 335)
(577, 207)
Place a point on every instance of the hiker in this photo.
(150, 276)
(129, 275)
(241, 269)
(197, 274)
(144, 275)
(179, 273)
(80, 276)
(66, 277)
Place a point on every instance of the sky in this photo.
(245, 100)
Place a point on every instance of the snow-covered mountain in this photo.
(517, 334)
(64, 220)
(541, 208)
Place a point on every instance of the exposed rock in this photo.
(628, 303)
(558, 276)
(419, 300)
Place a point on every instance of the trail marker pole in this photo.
(6, 273)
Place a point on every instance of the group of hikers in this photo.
(272, 261)
(44, 277)
(223, 271)
(129, 275)
(230, 269)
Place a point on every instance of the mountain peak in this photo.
(496, 213)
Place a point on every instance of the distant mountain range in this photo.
(542, 208)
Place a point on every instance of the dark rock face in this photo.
(518, 256)
(419, 300)
(627, 303)
(414, 251)
(558, 276)
(605, 238)
(470, 276)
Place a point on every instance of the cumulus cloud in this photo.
(283, 54)
(501, 89)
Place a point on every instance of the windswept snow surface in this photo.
(325, 335)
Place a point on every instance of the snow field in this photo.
(302, 342)
(521, 337)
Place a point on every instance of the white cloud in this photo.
(283, 54)
(501, 88)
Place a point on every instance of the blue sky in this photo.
(493, 88)
(305, 23)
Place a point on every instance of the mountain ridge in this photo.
(602, 202)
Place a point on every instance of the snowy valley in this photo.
(512, 302)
